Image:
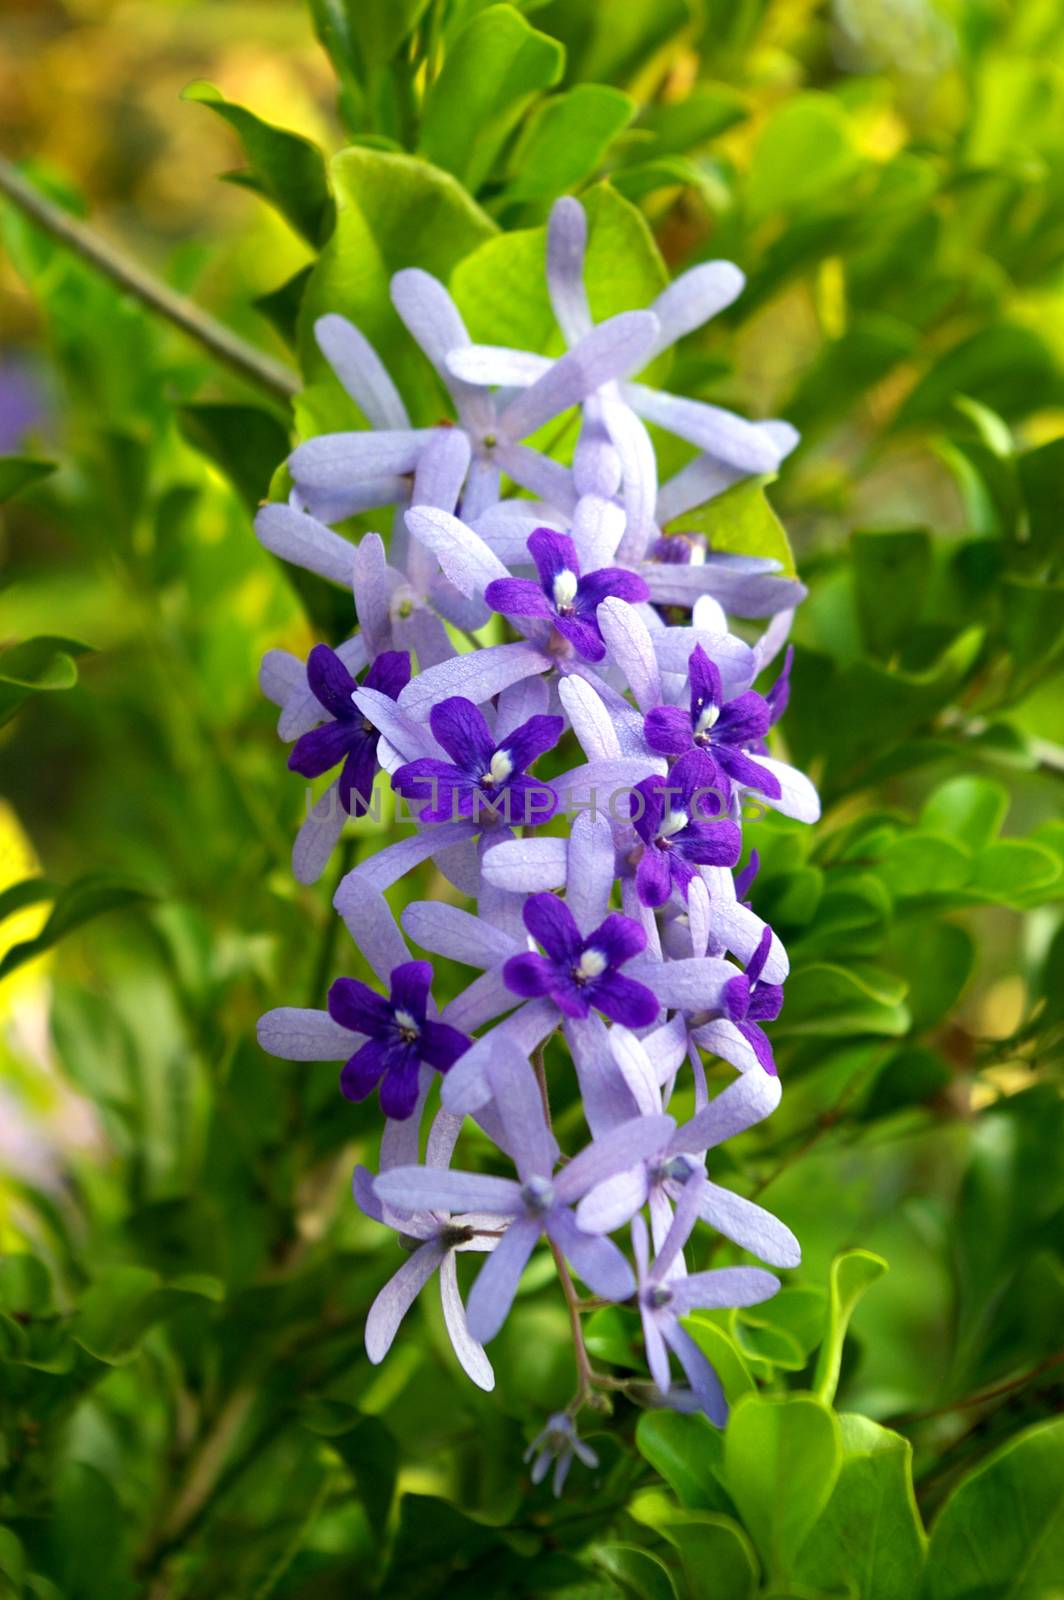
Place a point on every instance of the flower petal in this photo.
(298, 1034)
(305, 542)
(493, 1293)
(607, 351)
(398, 1295)
(361, 371)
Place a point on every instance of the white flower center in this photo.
(673, 823)
(698, 554)
(499, 769)
(706, 718)
(406, 1025)
(564, 588)
(592, 964)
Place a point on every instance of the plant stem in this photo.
(251, 364)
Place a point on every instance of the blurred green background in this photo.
(187, 1407)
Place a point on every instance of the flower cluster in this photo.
(623, 926)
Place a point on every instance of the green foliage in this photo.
(186, 1407)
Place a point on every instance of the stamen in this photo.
(538, 1195)
(592, 964)
(674, 822)
(408, 1028)
(499, 770)
(564, 589)
(706, 718)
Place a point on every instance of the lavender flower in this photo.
(348, 737)
(722, 730)
(562, 596)
(399, 1037)
(483, 780)
(581, 974)
(668, 815)
(558, 1442)
(666, 1293)
(746, 1002)
(539, 1203)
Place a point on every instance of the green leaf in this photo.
(247, 443)
(501, 290)
(869, 1536)
(379, 27)
(781, 1458)
(368, 1449)
(566, 140)
(1010, 869)
(917, 864)
(614, 1334)
(688, 1453)
(1008, 368)
(1033, 612)
(36, 666)
(78, 903)
(827, 999)
(125, 1302)
(18, 472)
(493, 68)
(742, 522)
(30, 892)
(968, 808)
(280, 306)
(394, 211)
(709, 109)
(722, 1353)
(851, 1273)
(718, 1559)
(806, 149)
(892, 570)
(283, 167)
(635, 1571)
(1001, 1532)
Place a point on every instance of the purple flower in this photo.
(747, 1002)
(666, 1293)
(348, 736)
(399, 1037)
(558, 1442)
(539, 1202)
(568, 599)
(581, 975)
(721, 729)
(667, 815)
(482, 779)
(434, 1237)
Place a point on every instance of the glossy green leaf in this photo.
(742, 522)
(1010, 869)
(78, 903)
(709, 109)
(636, 1572)
(125, 1302)
(805, 150)
(247, 443)
(36, 666)
(892, 569)
(782, 1456)
(869, 1537)
(19, 472)
(282, 166)
(852, 1274)
(501, 291)
(394, 211)
(718, 1559)
(30, 892)
(917, 864)
(829, 1000)
(688, 1453)
(493, 68)
(1001, 1532)
(969, 808)
(566, 140)
(723, 1354)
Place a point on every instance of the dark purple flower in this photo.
(720, 729)
(748, 1002)
(671, 815)
(780, 693)
(482, 780)
(568, 600)
(399, 1037)
(349, 736)
(581, 975)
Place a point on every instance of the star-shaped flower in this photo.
(669, 815)
(564, 597)
(399, 1037)
(483, 780)
(721, 729)
(581, 975)
(348, 737)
